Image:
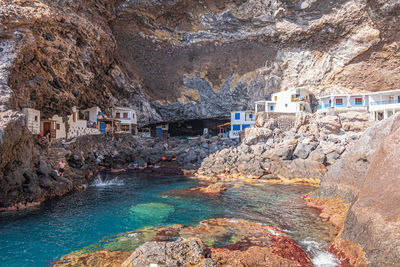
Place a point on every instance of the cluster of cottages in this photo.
(85, 122)
(380, 105)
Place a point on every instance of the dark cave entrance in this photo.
(191, 127)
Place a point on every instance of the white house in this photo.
(92, 114)
(55, 126)
(128, 119)
(380, 105)
(384, 104)
(78, 127)
(289, 101)
(344, 102)
(240, 120)
(32, 120)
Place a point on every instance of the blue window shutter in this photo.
(236, 127)
(251, 115)
(271, 108)
(237, 116)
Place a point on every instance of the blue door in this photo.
(102, 127)
(398, 99)
(159, 132)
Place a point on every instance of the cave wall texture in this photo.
(187, 59)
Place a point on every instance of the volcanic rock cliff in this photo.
(367, 177)
(191, 59)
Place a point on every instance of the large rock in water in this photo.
(190, 252)
(368, 177)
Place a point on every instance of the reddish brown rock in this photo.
(98, 258)
(240, 243)
(212, 190)
(368, 177)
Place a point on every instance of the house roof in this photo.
(122, 108)
(385, 92)
(224, 125)
(92, 108)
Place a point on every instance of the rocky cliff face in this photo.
(189, 59)
(367, 177)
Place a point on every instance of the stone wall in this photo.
(284, 121)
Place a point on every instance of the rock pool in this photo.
(117, 204)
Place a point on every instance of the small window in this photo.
(58, 126)
(125, 115)
(271, 108)
(133, 115)
(286, 105)
(339, 101)
(36, 118)
(276, 98)
(244, 126)
(237, 116)
(236, 127)
(118, 115)
(251, 115)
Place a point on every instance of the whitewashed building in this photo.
(380, 105)
(240, 120)
(92, 114)
(78, 127)
(344, 102)
(32, 120)
(128, 119)
(289, 101)
(384, 104)
(55, 126)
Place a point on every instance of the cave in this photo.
(192, 127)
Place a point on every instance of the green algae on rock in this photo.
(153, 212)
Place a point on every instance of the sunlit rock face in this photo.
(202, 59)
(182, 59)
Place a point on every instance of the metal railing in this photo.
(385, 102)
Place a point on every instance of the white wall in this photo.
(132, 117)
(244, 120)
(60, 133)
(32, 119)
(93, 113)
(284, 104)
(79, 127)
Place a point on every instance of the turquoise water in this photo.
(132, 201)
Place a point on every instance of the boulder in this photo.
(302, 150)
(43, 169)
(329, 124)
(191, 252)
(254, 135)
